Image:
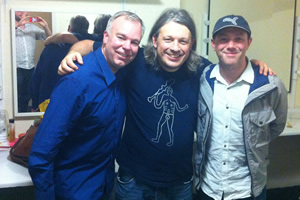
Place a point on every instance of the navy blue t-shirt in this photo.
(157, 143)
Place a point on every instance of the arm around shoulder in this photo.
(64, 37)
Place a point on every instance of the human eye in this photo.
(223, 39)
(167, 40)
(135, 43)
(121, 37)
(242, 39)
(184, 42)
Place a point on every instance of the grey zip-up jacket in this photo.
(264, 117)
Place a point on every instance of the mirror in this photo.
(27, 51)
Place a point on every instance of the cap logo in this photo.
(232, 20)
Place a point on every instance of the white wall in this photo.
(199, 12)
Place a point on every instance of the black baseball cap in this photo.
(236, 21)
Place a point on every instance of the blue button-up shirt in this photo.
(74, 148)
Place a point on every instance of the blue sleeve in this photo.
(96, 45)
(65, 107)
(86, 36)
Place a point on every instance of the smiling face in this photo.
(173, 44)
(231, 45)
(121, 43)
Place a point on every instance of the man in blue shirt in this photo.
(45, 75)
(73, 151)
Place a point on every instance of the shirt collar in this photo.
(107, 72)
(247, 75)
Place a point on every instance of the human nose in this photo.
(230, 44)
(127, 45)
(175, 46)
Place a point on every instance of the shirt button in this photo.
(225, 145)
(226, 126)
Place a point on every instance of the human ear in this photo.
(154, 41)
(213, 44)
(105, 37)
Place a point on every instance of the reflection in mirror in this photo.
(29, 27)
(35, 65)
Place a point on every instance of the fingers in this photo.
(264, 69)
(23, 21)
(63, 71)
(42, 21)
(68, 65)
(272, 73)
(77, 57)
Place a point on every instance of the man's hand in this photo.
(44, 24)
(67, 65)
(22, 21)
(77, 51)
(263, 68)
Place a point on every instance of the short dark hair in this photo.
(100, 24)
(79, 24)
(179, 16)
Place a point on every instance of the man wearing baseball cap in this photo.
(240, 112)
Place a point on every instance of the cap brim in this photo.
(231, 26)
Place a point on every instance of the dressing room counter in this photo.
(12, 174)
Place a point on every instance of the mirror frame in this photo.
(14, 65)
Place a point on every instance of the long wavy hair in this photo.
(179, 16)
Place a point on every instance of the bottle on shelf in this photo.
(11, 130)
